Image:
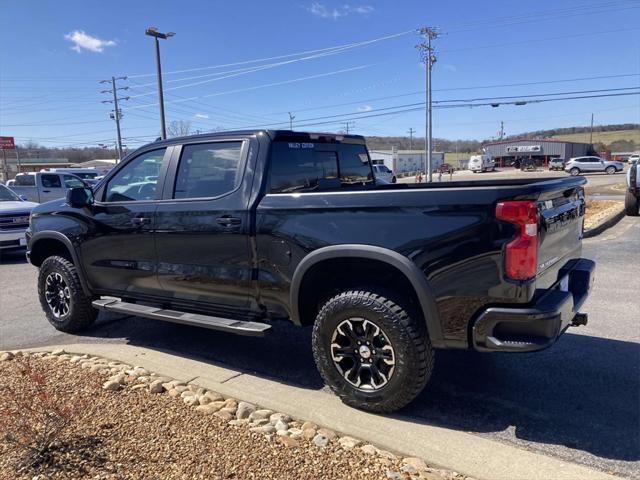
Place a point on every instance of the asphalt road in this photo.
(579, 400)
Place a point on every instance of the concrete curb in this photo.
(448, 449)
(609, 222)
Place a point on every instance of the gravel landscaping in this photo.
(598, 211)
(121, 421)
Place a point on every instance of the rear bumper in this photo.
(516, 329)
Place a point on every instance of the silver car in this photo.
(578, 165)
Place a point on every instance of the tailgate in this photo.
(561, 215)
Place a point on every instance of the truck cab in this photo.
(42, 187)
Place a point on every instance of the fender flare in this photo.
(60, 237)
(409, 269)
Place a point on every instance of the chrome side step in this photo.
(253, 329)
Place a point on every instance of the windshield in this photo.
(7, 195)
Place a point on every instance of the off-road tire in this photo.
(81, 314)
(631, 205)
(414, 355)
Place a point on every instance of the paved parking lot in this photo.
(578, 400)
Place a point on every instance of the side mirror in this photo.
(79, 197)
(23, 198)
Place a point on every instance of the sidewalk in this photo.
(470, 454)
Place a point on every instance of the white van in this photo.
(481, 163)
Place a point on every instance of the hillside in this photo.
(614, 140)
(618, 138)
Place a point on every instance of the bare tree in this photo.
(178, 128)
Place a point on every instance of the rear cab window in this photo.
(317, 166)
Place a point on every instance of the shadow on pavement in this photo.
(12, 257)
(583, 393)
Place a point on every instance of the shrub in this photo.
(34, 414)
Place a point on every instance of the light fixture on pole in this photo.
(153, 32)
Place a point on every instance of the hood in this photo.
(15, 206)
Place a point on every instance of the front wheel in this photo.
(64, 302)
(370, 351)
(574, 171)
(610, 170)
(631, 205)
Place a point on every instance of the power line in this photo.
(347, 46)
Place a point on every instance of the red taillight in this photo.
(521, 254)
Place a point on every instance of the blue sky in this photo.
(52, 55)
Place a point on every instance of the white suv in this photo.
(579, 165)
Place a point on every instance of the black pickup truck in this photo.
(230, 231)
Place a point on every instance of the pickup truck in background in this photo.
(42, 187)
(230, 231)
(14, 219)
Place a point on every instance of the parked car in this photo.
(238, 229)
(14, 219)
(44, 186)
(481, 163)
(556, 164)
(632, 195)
(385, 173)
(633, 158)
(578, 165)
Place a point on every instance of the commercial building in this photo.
(30, 164)
(405, 161)
(513, 152)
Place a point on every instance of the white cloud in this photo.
(82, 40)
(320, 10)
(201, 115)
(365, 108)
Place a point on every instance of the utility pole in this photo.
(117, 113)
(501, 130)
(591, 133)
(429, 58)
(153, 32)
(291, 117)
(411, 132)
(348, 125)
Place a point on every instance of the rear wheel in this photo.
(370, 351)
(631, 205)
(574, 171)
(64, 302)
(610, 170)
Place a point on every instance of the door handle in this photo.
(228, 221)
(46, 191)
(140, 220)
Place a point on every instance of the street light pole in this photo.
(153, 32)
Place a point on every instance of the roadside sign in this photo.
(7, 143)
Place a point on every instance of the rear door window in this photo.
(208, 170)
(50, 180)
